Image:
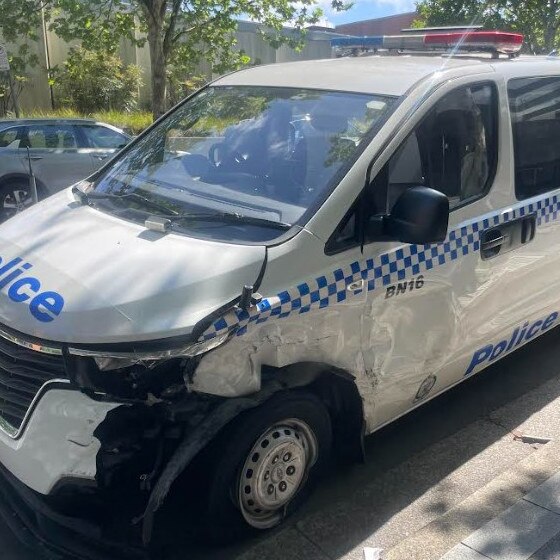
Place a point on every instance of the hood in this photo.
(70, 273)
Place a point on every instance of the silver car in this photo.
(59, 151)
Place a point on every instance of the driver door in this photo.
(430, 306)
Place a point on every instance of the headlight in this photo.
(107, 360)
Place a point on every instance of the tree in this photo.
(179, 32)
(538, 20)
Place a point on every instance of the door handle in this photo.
(35, 158)
(100, 158)
(493, 243)
(507, 236)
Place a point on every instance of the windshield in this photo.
(258, 152)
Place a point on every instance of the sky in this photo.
(366, 9)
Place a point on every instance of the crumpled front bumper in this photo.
(56, 451)
(57, 443)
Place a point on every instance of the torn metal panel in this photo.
(324, 337)
(58, 442)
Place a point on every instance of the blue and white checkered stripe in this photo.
(388, 268)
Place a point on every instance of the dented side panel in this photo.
(298, 325)
(422, 314)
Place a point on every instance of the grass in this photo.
(133, 123)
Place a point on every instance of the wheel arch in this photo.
(335, 387)
(42, 189)
(338, 391)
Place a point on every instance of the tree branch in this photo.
(168, 39)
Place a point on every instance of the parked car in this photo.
(61, 152)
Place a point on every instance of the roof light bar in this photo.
(485, 41)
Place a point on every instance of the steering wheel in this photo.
(234, 174)
(217, 159)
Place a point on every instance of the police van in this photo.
(293, 257)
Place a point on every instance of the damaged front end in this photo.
(151, 436)
(85, 439)
(157, 420)
(150, 430)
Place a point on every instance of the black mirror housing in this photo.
(420, 215)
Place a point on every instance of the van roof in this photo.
(383, 75)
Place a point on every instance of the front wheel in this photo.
(266, 464)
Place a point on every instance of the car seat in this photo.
(263, 148)
(325, 146)
(446, 142)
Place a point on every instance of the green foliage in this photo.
(92, 81)
(180, 33)
(180, 84)
(20, 35)
(538, 20)
(133, 123)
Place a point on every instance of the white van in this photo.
(292, 258)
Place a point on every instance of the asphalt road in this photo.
(404, 442)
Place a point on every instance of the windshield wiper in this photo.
(163, 223)
(87, 197)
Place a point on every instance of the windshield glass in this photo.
(258, 152)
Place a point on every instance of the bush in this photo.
(133, 123)
(97, 81)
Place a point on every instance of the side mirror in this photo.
(420, 215)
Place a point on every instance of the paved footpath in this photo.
(520, 532)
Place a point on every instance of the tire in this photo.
(15, 196)
(270, 458)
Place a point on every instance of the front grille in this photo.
(23, 371)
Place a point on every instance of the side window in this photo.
(535, 118)
(102, 137)
(51, 137)
(453, 149)
(10, 138)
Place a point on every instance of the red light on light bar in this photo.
(500, 41)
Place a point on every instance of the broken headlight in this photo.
(108, 361)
